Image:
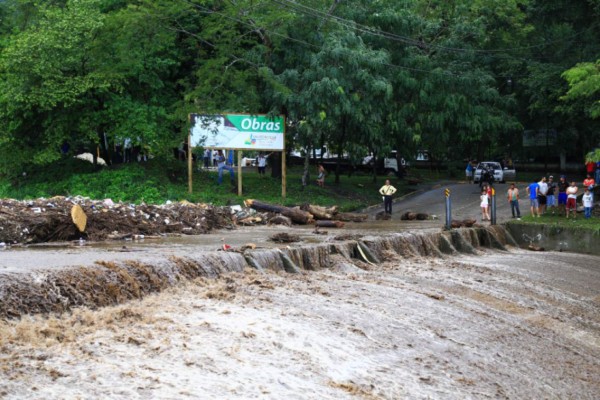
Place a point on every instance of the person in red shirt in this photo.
(589, 183)
(589, 167)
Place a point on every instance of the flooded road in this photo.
(392, 310)
(491, 324)
(60, 255)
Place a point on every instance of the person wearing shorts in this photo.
(542, 191)
(469, 171)
(484, 204)
(550, 199)
(572, 199)
(532, 191)
(562, 191)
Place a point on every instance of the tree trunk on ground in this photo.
(350, 217)
(329, 224)
(320, 212)
(295, 214)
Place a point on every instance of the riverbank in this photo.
(553, 231)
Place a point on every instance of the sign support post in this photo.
(190, 166)
(283, 175)
(239, 172)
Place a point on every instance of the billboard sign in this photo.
(238, 131)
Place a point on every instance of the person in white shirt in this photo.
(542, 192)
(387, 191)
(572, 199)
(485, 215)
(262, 164)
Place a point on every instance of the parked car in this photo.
(488, 171)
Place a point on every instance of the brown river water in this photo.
(390, 315)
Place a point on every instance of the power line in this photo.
(306, 10)
(405, 39)
(303, 42)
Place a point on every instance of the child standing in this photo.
(587, 203)
(485, 216)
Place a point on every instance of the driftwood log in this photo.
(411, 216)
(284, 237)
(533, 247)
(280, 220)
(320, 212)
(295, 214)
(329, 224)
(350, 217)
(467, 223)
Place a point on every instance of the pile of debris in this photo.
(74, 218)
(61, 219)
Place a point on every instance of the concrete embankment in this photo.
(557, 238)
(118, 280)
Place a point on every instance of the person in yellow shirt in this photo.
(387, 191)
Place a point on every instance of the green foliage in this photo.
(593, 156)
(459, 79)
(584, 84)
(559, 221)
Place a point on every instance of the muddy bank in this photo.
(51, 220)
(132, 276)
(556, 238)
(494, 324)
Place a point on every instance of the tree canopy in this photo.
(461, 79)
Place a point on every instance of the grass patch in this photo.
(558, 219)
(157, 181)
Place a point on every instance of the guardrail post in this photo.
(493, 221)
(448, 209)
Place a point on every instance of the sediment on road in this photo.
(109, 283)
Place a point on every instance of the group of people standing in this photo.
(542, 195)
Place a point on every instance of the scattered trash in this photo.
(235, 209)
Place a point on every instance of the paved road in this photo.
(464, 198)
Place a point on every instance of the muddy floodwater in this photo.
(436, 318)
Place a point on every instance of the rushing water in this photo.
(450, 315)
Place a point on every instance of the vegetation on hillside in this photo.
(461, 79)
(160, 180)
